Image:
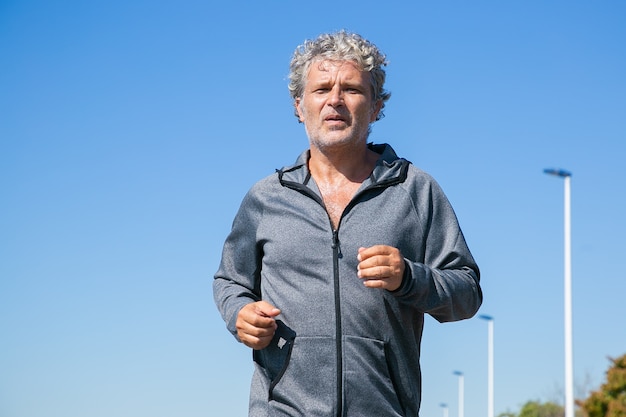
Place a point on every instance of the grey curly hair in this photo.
(339, 46)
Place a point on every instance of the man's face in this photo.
(337, 106)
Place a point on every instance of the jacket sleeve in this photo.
(237, 281)
(446, 283)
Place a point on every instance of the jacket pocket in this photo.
(305, 384)
(275, 357)
(369, 385)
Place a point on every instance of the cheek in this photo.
(307, 110)
(368, 114)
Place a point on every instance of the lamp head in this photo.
(557, 172)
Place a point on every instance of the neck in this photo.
(333, 165)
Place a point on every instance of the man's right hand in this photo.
(256, 324)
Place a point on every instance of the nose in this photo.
(335, 97)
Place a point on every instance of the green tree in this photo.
(538, 409)
(610, 399)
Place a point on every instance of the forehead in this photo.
(324, 69)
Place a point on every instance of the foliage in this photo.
(538, 409)
(610, 400)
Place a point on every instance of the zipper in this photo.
(338, 332)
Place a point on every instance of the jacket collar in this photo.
(389, 169)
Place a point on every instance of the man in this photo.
(332, 262)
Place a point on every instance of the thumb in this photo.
(266, 309)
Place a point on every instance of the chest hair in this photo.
(336, 198)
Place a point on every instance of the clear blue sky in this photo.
(130, 131)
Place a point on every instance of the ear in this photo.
(375, 110)
(299, 112)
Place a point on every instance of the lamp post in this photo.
(569, 367)
(490, 397)
(445, 409)
(461, 393)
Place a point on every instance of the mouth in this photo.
(334, 118)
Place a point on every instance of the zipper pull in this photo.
(336, 244)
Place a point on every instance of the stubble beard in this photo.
(336, 138)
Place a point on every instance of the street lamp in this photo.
(569, 367)
(461, 389)
(445, 409)
(490, 402)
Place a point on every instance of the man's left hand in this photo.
(381, 266)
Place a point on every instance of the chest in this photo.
(336, 199)
(295, 230)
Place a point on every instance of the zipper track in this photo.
(338, 329)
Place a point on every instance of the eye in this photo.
(352, 90)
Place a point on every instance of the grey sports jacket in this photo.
(343, 349)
